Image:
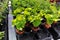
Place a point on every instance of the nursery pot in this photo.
(27, 27)
(20, 32)
(35, 29)
(47, 25)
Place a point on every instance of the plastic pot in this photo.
(19, 32)
(35, 29)
(47, 25)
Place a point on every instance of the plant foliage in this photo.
(1, 35)
(33, 11)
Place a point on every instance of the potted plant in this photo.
(3, 19)
(35, 20)
(49, 11)
(26, 8)
(3, 13)
(19, 22)
(51, 15)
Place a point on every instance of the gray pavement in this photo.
(11, 30)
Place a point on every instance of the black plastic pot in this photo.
(18, 34)
(2, 25)
(58, 25)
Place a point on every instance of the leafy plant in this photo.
(33, 11)
(27, 8)
(1, 35)
(50, 11)
(19, 22)
(35, 20)
(3, 7)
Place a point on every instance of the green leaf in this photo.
(1, 35)
(36, 23)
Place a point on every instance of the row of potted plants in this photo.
(33, 11)
(3, 13)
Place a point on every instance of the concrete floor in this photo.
(11, 30)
